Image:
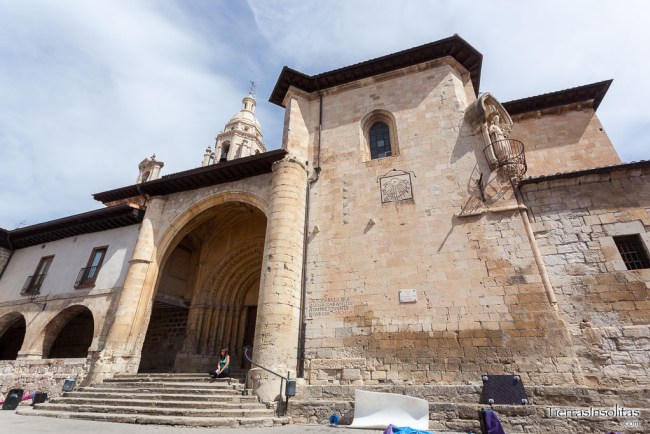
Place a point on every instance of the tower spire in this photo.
(242, 135)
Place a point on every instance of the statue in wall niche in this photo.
(495, 131)
(489, 118)
(498, 138)
(495, 124)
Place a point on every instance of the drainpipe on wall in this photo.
(523, 212)
(303, 286)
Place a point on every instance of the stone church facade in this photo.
(410, 231)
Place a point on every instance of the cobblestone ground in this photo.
(47, 425)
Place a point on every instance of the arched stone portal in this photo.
(69, 334)
(207, 291)
(12, 335)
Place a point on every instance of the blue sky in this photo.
(90, 88)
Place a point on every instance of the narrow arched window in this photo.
(379, 138)
(224, 152)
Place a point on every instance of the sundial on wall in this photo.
(395, 186)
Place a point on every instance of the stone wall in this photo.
(455, 407)
(41, 375)
(164, 339)
(474, 303)
(605, 305)
(561, 139)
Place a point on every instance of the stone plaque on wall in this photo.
(396, 187)
(330, 306)
(408, 296)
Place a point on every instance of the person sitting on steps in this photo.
(223, 370)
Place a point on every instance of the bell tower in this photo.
(149, 169)
(241, 137)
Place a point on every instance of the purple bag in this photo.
(492, 423)
(392, 429)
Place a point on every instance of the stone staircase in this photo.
(163, 399)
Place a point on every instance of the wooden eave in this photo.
(454, 46)
(590, 92)
(93, 221)
(227, 171)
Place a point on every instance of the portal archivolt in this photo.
(207, 292)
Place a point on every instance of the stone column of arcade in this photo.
(278, 310)
(121, 353)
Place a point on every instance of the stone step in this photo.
(238, 388)
(180, 374)
(161, 411)
(225, 422)
(198, 403)
(198, 379)
(119, 394)
(185, 389)
(232, 376)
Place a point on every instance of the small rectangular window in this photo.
(87, 275)
(632, 251)
(34, 282)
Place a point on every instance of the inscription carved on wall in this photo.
(319, 307)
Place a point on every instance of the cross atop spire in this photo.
(251, 87)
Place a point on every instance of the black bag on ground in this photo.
(13, 399)
(39, 398)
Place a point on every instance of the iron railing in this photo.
(289, 390)
(509, 155)
(86, 276)
(33, 284)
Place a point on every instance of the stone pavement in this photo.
(46, 425)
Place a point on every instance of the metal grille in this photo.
(509, 155)
(379, 136)
(86, 276)
(33, 284)
(632, 251)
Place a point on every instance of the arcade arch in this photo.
(12, 335)
(69, 334)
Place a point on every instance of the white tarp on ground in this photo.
(378, 410)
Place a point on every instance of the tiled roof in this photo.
(594, 91)
(454, 46)
(578, 173)
(212, 174)
(93, 221)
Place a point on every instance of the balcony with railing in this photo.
(86, 277)
(33, 284)
(507, 154)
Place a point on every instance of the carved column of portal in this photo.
(194, 319)
(278, 310)
(212, 343)
(229, 330)
(121, 353)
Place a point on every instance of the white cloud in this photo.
(90, 88)
(529, 48)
